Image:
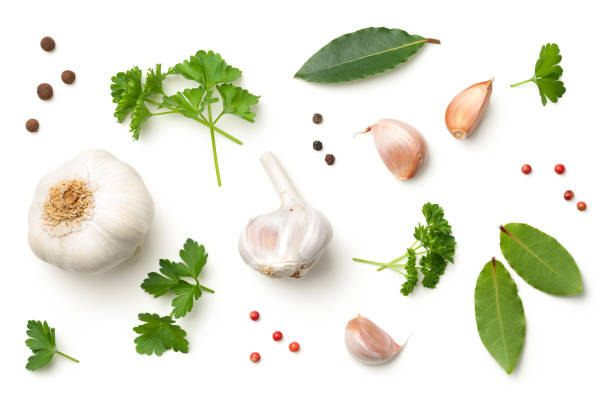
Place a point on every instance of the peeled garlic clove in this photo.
(288, 241)
(467, 109)
(369, 343)
(90, 214)
(400, 146)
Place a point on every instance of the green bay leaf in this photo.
(540, 260)
(500, 316)
(357, 55)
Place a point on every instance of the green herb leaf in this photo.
(207, 68)
(159, 284)
(540, 260)
(194, 255)
(547, 74)
(186, 295)
(360, 54)
(159, 334)
(500, 316)
(41, 340)
(188, 102)
(126, 88)
(139, 116)
(412, 274)
(153, 81)
(238, 101)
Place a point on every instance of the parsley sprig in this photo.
(158, 334)
(41, 340)
(547, 74)
(429, 255)
(136, 99)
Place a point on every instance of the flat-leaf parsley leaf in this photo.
(41, 340)
(547, 74)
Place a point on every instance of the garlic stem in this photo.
(280, 181)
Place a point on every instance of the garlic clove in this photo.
(466, 110)
(289, 241)
(368, 343)
(400, 146)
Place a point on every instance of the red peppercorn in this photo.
(526, 169)
(255, 357)
(294, 346)
(277, 336)
(254, 315)
(581, 206)
(559, 169)
(568, 195)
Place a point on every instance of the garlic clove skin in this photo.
(368, 343)
(115, 218)
(466, 110)
(289, 241)
(401, 147)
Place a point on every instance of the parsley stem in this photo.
(532, 79)
(163, 113)
(385, 265)
(67, 356)
(224, 133)
(204, 288)
(392, 262)
(214, 146)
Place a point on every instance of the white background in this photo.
(566, 358)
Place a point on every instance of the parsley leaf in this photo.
(207, 68)
(433, 250)
(159, 334)
(238, 101)
(41, 340)
(169, 279)
(547, 74)
(126, 88)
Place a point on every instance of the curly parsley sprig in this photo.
(214, 76)
(429, 255)
(547, 74)
(158, 334)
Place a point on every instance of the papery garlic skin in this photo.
(368, 343)
(114, 213)
(289, 241)
(401, 147)
(466, 110)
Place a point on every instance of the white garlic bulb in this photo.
(369, 343)
(90, 214)
(288, 241)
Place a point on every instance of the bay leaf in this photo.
(500, 316)
(357, 55)
(540, 260)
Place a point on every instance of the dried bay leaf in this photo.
(357, 55)
(500, 316)
(540, 260)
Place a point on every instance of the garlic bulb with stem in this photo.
(90, 214)
(369, 343)
(466, 110)
(400, 146)
(290, 240)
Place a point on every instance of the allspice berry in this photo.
(317, 118)
(44, 91)
(47, 44)
(32, 125)
(68, 77)
(330, 159)
(317, 145)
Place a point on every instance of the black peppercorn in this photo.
(317, 145)
(47, 43)
(44, 91)
(330, 159)
(68, 77)
(317, 118)
(32, 125)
